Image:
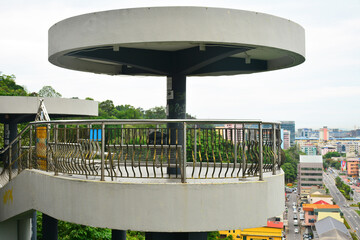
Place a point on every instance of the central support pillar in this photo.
(49, 227)
(176, 109)
(118, 234)
(176, 236)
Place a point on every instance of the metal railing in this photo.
(113, 149)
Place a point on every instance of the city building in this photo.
(310, 170)
(324, 134)
(352, 167)
(286, 139)
(290, 126)
(309, 149)
(326, 149)
(319, 198)
(312, 211)
(264, 233)
(332, 229)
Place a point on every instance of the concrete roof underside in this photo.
(163, 41)
(24, 109)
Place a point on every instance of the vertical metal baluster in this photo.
(102, 152)
(274, 150)
(244, 151)
(10, 161)
(19, 154)
(279, 145)
(235, 150)
(183, 172)
(260, 152)
(47, 146)
(77, 133)
(56, 149)
(30, 148)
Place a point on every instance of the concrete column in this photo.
(176, 109)
(118, 234)
(49, 228)
(24, 229)
(34, 226)
(176, 236)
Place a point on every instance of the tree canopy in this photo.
(292, 156)
(48, 91)
(8, 87)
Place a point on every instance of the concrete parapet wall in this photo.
(145, 206)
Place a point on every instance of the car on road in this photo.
(296, 230)
(296, 222)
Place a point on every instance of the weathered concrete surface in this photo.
(12, 105)
(155, 207)
(279, 42)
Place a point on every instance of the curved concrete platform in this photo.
(25, 108)
(191, 41)
(151, 207)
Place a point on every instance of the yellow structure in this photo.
(334, 215)
(261, 233)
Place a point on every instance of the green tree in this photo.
(290, 174)
(329, 155)
(8, 87)
(156, 113)
(292, 156)
(48, 91)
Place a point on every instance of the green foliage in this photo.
(156, 113)
(8, 87)
(48, 91)
(353, 235)
(344, 188)
(329, 155)
(72, 231)
(346, 224)
(331, 163)
(135, 235)
(290, 164)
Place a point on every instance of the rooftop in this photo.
(311, 159)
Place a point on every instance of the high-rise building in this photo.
(285, 137)
(290, 126)
(352, 167)
(324, 134)
(310, 170)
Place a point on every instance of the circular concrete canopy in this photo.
(24, 109)
(163, 41)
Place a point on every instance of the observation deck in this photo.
(113, 174)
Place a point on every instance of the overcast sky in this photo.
(323, 91)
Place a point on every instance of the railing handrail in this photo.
(254, 130)
(16, 139)
(154, 121)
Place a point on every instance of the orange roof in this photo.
(275, 224)
(311, 207)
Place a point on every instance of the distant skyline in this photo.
(323, 91)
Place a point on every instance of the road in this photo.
(291, 235)
(350, 215)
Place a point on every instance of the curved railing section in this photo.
(175, 149)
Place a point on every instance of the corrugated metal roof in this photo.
(328, 225)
